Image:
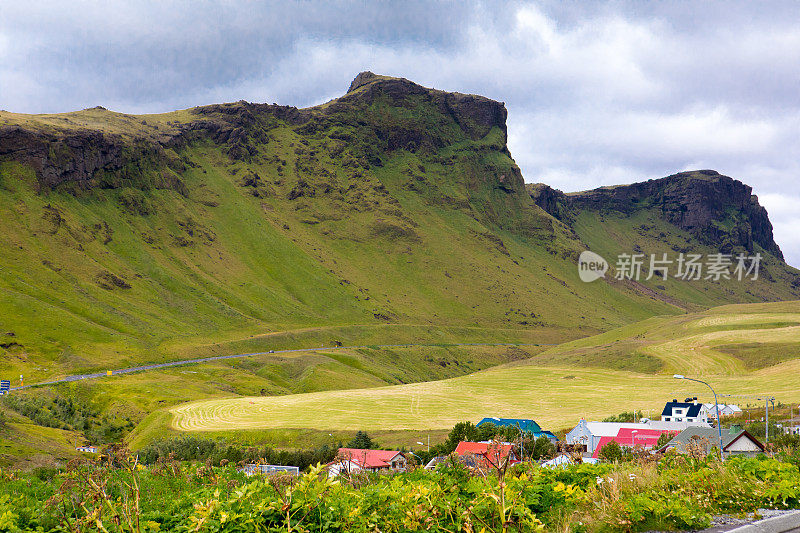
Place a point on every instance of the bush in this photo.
(664, 438)
(221, 452)
(56, 411)
(361, 441)
(542, 449)
(624, 416)
(611, 452)
(678, 493)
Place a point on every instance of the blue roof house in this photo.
(526, 425)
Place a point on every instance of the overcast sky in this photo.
(598, 93)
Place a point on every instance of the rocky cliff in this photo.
(717, 209)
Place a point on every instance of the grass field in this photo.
(554, 394)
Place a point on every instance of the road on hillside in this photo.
(183, 362)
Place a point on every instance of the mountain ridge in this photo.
(716, 208)
(395, 203)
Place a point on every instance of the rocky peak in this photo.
(476, 115)
(362, 79)
(717, 209)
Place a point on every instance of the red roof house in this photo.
(488, 453)
(631, 438)
(354, 459)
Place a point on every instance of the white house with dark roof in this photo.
(689, 411)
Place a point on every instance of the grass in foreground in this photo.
(678, 493)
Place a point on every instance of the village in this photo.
(684, 427)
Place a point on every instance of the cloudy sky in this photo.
(598, 93)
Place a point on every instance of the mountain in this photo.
(719, 211)
(395, 212)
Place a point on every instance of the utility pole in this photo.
(767, 401)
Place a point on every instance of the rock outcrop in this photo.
(717, 209)
(476, 115)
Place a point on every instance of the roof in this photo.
(525, 424)
(646, 438)
(729, 436)
(693, 408)
(489, 450)
(611, 429)
(722, 407)
(547, 434)
(368, 458)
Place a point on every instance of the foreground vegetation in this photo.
(674, 493)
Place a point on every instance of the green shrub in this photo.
(361, 441)
(624, 416)
(611, 452)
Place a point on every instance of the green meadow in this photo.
(578, 379)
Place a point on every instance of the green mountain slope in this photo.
(131, 239)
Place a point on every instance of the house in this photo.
(724, 410)
(353, 460)
(436, 461)
(565, 460)
(792, 426)
(253, 469)
(791, 430)
(587, 435)
(632, 438)
(690, 411)
(526, 425)
(87, 449)
(734, 441)
(487, 453)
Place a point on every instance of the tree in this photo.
(624, 416)
(362, 441)
(464, 431)
(663, 439)
(611, 452)
(542, 448)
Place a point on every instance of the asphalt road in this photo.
(184, 362)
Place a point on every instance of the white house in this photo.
(87, 449)
(688, 411)
(734, 441)
(565, 460)
(724, 410)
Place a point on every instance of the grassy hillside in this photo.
(583, 378)
(133, 239)
(392, 215)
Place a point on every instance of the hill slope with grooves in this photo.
(581, 378)
(133, 239)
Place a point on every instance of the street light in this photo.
(421, 462)
(716, 405)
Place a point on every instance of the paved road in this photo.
(779, 522)
(183, 362)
